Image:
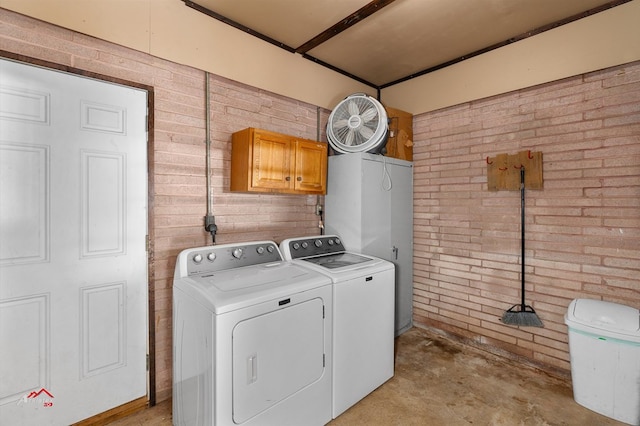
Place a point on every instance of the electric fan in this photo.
(358, 123)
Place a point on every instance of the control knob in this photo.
(197, 258)
(318, 243)
(211, 257)
(237, 253)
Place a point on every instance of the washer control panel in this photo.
(209, 259)
(296, 248)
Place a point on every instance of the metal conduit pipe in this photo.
(319, 206)
(209, 219)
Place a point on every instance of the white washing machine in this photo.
(363, 314)
(251, 338)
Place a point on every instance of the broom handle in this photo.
(522, 234)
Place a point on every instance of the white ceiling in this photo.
(399, 38)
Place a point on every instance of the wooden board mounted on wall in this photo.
(503, 171)
(400, 142)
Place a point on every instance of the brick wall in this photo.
(582, 229)
(178, 179)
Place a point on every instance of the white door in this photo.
(387, 226)
(402, 243)
(73, 262)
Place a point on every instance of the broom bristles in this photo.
(521, 315)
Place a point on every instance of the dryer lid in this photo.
(238, 288)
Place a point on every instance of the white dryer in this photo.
(251, 338)
(363, 314)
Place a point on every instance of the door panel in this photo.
(24, 208)
(402, 241)
(376, 209)
(275, 355)
(73, 262)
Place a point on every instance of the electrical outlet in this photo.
(210, 223)
(318, 209)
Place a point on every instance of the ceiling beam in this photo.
(346, 23)
(237, 25)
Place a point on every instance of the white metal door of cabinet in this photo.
(401, 212)
(376, 209)
(387, 225)
(369, 204)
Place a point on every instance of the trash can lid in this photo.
(605, 315)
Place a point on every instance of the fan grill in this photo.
(358, 123)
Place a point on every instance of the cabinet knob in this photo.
(299, 179)
(288, 178)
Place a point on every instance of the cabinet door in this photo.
(387, 231)
(402, 243)
(310, 166)
(376, 209)
(271, 161)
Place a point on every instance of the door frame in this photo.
(151, 364)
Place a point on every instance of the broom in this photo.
(521, 314)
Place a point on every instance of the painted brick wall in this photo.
(178, 177)
(582, 229)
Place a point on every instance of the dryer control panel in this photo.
(200, 260)
(297, 248)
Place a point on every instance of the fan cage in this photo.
(358, 124)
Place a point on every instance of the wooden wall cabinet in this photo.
(265, 161)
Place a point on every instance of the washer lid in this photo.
(338, 260)
(605, 315)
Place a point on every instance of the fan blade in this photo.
(339, 124)
(353, 108)
(348, 140)
(366, 132)
(369, 114)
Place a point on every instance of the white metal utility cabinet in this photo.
(363, 314)
(252, 338)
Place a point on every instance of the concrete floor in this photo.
(442, 382)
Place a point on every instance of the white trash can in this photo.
(604, 344)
